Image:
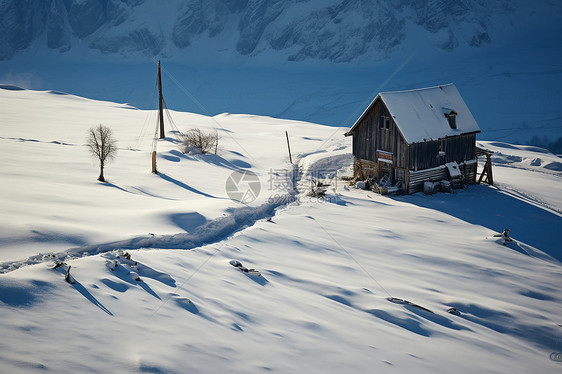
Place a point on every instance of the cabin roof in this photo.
(421, 114)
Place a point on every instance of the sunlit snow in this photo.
(328, 266)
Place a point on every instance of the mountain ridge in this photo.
(336, 31)
(320, 62)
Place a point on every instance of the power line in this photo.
(188, 94)
(147, 120)
(369, 99)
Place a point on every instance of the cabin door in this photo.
(385, 168)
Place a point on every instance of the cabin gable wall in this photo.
(378, 146)
(365, 136)
(375, 134)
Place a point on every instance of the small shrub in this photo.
(200, 141)
(318, 189)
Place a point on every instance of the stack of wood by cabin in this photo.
(409, 136)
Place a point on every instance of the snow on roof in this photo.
(421, 114)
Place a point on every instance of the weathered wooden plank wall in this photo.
(426, 155)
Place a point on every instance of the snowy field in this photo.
(333, 271)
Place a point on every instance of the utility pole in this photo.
(160, 103)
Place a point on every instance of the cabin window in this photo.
(452, 121)
(451, 116)
(385, 122)
(384, 136)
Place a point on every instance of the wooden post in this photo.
(483, 173)
(154, 162)
(487, 171)
(160, 103)
(489, 176)
(289, 147)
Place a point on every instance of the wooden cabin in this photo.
(415, 136)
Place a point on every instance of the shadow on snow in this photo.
(80, 288)
(22, 294)
(211, 159)
(183, 185)
(188, 221)
(490, 207)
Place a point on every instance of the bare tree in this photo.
(205, 142)
(102, 145)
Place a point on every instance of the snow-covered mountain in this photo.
(337, 31)
(318, 61)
